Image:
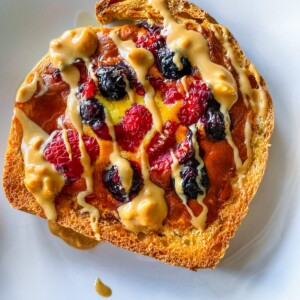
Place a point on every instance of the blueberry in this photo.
(111, 81)
(189, 175)
(189, 182)
(92, 111)
(167, 66)
(214, 123)
(113, 183)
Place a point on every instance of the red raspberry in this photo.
(160, 145)
(56, 153)
(133, 127)
(88, 88)
(151, 41)
(159, 149)
(172, 95)
(194, 106)
(80, 65)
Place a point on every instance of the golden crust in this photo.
(192, 249)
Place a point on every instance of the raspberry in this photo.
(152, 40)
(56, 153)
(160, 145)
(80, 65)
(133, 127)
(113, 183)
(88, 88)
(172, 95)
(194, 106)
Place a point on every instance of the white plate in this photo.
(262, 262)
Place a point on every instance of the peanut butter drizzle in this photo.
(199, 221)
(147, 211)
(259, 95)
(194, 46)
(41, 179)
(122, 164)
(140, 60)
(73, 44)
(185, 85)
(102, 289)
(244, 83)
(28, 89)
(71, 237)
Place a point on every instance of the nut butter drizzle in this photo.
(41, 179)
(194, 46)
(28, 89)
(74, 44)
(147, 211)
(71, 237)
(140, 60)
(244, 83)
(124, 169)
(102, 289)
(199, 221)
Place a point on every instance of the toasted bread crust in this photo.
(192, 249)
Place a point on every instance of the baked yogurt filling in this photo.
(149, 125)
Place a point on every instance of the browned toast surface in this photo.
(188, 248)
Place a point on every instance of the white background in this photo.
(262, 262)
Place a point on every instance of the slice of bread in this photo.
(191, 249)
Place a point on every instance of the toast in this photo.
(179, 237)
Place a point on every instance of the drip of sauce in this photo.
(102, 289)
(248, 136)
(71, 237)
(124, 169)
(129, 91)
(147, 211)
(243, 78)
(260, 94)
(73, 44)
(140, 60)
(185, 85)
(194, 46)
(41, 179)
(199, 221)
(27, 90)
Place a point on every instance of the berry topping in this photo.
(111, 81)
(160, 145)
(92, 113)
(133, 127)
(172, 95)
(113, 183)
(56, 153)
(168, 68)
(57, 76)
(151, 41)
(88, 88)
(214, 121)
(156, 43)
(194, 106)
(191, 184)
(80, 65)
